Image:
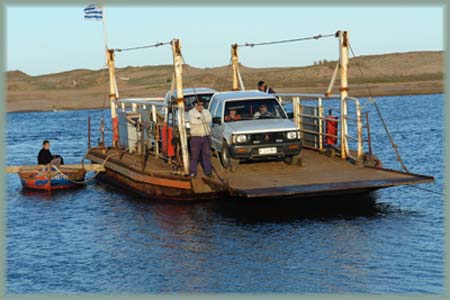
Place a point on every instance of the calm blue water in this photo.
(99, 239)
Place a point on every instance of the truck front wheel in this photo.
(227, 161)
(291, 160)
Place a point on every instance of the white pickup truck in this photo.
(251, 125)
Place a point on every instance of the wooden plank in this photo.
(87, 167)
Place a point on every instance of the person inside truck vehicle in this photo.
(262, 87)
(262, 112)
(232, 115)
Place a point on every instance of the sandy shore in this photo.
(390, 74)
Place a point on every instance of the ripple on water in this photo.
(100, 239)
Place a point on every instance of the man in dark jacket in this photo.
(262, 86)
(46, 157)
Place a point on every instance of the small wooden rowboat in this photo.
(49, 178)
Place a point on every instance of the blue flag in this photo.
(92, 12)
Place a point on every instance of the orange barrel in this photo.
(115, 125)
(331, 129)
(168, 148)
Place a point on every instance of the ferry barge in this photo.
(149, 153)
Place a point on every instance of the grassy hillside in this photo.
(389, 74)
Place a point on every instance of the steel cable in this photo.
(142, 47)
(316, 37)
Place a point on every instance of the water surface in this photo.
(100, 239)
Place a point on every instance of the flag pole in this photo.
(113, 90)
(105, 32)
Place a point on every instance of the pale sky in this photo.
(48, 39)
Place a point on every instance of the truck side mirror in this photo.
(217, 120)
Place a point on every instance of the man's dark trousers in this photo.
(200, 149)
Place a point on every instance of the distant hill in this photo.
(388, 74)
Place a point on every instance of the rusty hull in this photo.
(157, 179)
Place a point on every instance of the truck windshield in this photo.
(238, 110)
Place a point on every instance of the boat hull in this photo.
(154, 182)
(45, 179)
(318, 175)
(152, 191)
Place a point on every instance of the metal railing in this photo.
(151, 114)
(308, 115)
(359, 125)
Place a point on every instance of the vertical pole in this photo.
(105, 33)
(343, 60)
(102, 132)
(113, 96)
(89, 132)
(359, 127)
(320, 123)
(237, 78)
(178, 65)
(155, 122)
(234, 64)
(139, 135)
(295, 106)
(300, 117)
(369, 141)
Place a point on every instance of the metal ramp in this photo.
(318, 175)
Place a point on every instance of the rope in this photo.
(89, 179)
(141, 47)
(427, 190)
(316, 37)
(372, 99)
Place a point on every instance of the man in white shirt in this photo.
(262, 87)
(200, 119)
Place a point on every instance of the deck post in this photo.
(102, 133)
(155, 121)
(178, 72)
(343, 63)
(113, 96)
(320, 108)
(89, 132)
(369, 142)
(360, 133)
(237, 79)
(296, 110)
